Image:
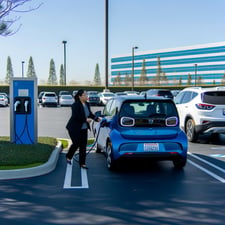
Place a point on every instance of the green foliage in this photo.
(97, 78)
(31, 71)
(9, 70)
(143, 77)
(52, 79)
(62, 76)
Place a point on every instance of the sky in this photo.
(148, 24)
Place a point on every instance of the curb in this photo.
(43, 169)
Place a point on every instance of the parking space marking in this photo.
(205, 170)
(68, 178)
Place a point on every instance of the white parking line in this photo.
(68, 178)
(205, 170)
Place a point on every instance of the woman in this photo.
(78, 126)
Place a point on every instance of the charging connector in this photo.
(16, 105)
(26, 105)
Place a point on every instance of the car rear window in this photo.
(150, 113)
(214, 97)
(49, 95)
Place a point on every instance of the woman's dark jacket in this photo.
(78, 118)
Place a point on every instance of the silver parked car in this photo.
(4, 100)
(66, 100)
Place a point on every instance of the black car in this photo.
(160, 92)
(93, 98)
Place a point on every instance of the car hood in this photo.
(150, 133)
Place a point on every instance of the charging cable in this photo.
(102, 124)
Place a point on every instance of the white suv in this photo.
(201, 111)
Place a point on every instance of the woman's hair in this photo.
(78, 94)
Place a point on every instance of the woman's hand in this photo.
(89, 120)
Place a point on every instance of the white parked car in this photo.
(66, 100)
(201, 111)
(4, 100)
(49, 99)
(105, 96)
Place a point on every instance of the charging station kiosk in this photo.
(23, 110)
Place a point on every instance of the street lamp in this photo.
(22, 68)
(64, 43)
(196, 65)
(132, 86)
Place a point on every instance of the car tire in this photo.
(110, 161)
(190, 130)
(180, 162)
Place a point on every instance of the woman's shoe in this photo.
(84, 167)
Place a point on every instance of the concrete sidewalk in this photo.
(45, 168)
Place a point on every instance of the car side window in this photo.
(179, 97)
(112, 109)
(187, 97)
(106, 110)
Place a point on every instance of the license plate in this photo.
(151, 147)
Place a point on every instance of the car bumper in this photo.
(211, 127)
(170, 148)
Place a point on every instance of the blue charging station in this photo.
(23, 110)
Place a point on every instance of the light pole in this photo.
(64, 44)
(22, 68)
(106, 43)
(196, 65)
(132, 78)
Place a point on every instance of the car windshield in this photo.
(214, 97)
(150, 113)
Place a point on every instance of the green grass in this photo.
(16, 156)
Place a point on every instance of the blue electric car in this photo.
(140, 126)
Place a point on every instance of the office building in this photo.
(191, 65)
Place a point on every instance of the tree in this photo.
(97, 78)
(223, 79)
(159, 72)
(189, 79)
(8, 7)
(9, 70)
(117, 79)
(31, 70)
(127, 80)
(62, 75)
(143, 76)
(180, 81)
(52, 79)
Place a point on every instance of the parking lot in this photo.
(141, 192)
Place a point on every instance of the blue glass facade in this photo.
(183, 65)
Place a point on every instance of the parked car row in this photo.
(158, 126)
(51, 99)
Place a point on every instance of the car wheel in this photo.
(111, 164)
(190, 131)
(180, 162)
